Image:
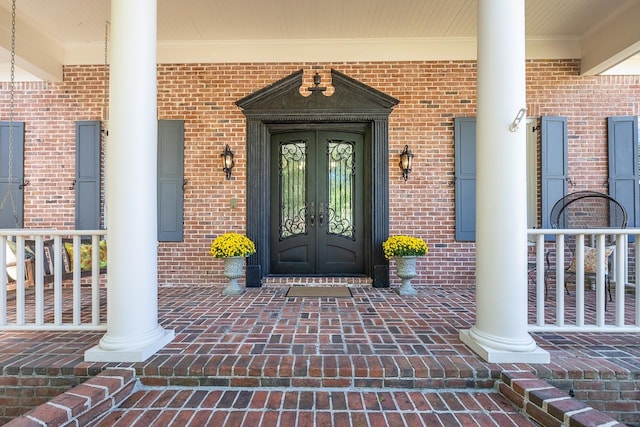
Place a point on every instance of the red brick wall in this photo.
(431, 94)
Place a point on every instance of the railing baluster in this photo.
(600, 285)
(76, 280)
(579, 280)
(39, 279)
(95, 279)
(57, 279)
(560, 280)
(20, 292)
(621, 256)
(540, 279)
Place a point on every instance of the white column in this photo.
(500, 333)
(133, 333)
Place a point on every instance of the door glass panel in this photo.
(293, 198)
(340, 181)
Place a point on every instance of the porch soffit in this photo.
(53, 33)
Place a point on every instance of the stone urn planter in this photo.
(406, 270)
(233, 248)
(233, 270)
(405, 250)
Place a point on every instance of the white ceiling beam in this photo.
(36, 54)
(326, 50)
(614, 41)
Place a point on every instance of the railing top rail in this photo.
(575, 231)
(33, 232)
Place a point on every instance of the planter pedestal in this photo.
(406, 270)
(233, 271)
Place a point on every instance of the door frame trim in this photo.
(352, 104)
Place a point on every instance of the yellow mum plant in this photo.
(232, 244)
(397, 246)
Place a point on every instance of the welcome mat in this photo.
(319, 291)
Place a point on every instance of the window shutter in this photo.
(554, 153)
(623, 165)
(7, 216)
(87, 185)
(170, 180)
(465, 177)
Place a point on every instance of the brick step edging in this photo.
(84, 402)
(548, 405)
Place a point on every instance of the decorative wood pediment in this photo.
(350, 99)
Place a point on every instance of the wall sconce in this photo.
(406, 158)
(227, 161)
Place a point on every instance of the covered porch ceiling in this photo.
(603, 34)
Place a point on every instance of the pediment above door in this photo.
(351, 99)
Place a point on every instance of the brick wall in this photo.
(431, 94)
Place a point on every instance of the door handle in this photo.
(320, 214)
(312, 217)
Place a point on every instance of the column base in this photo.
(133, 354)
(493, 355)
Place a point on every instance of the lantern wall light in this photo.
(406, 157)
(227, 161)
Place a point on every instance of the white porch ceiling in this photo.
(53, 33)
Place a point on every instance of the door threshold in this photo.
(287, 281)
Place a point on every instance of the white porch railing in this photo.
(31, 306)
(585, 309)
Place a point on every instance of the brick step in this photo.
(115, 398)
(548, 405)
(305, 370)
(312, 407)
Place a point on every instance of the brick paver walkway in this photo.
(374, 359)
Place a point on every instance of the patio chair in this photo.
(580, 210)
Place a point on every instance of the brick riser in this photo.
(83, 403)
(548, 405)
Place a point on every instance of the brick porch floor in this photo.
(375, 359)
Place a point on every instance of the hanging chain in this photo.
(105, 116)
(9, 193)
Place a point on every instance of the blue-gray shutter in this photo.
(87, 184)
(9, 218)
(170, 180)
(555, 171)
(465, 177)
(623, 165)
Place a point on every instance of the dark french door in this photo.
(317, 203)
